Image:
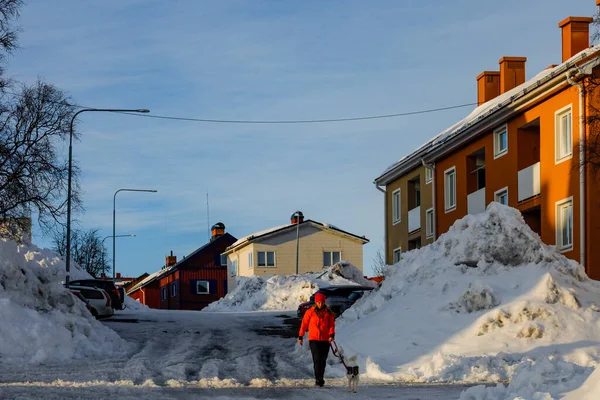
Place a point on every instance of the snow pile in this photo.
(41, 320)
(280, 292)
(487, 302)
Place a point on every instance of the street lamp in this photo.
(114, 217)
(102, 248)
(141, 110)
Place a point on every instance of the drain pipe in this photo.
(431, 167)
(582, 167)
(385, 227)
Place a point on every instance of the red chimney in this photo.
(217, 230)
(488, 86)
(297, 217)
(512, 72)
(118, 275)
(171, 260)
(575, 35)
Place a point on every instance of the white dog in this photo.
(352, 374)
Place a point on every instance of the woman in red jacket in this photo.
(320, 322)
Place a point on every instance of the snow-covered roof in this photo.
(488, 109)
(284, 228)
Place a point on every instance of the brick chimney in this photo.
(512, 72)
(118, 275)
(488, 86)
(575, 35)
(171, 260)
(297, 217)
(217, 230)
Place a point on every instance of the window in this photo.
(564, 224)
(396, 206)
(265, 258)
(428, 175)
(450, 189)
(163, 293)
(397, 255)
(331, 257)
(234, 267)
(564, 134)
(429, 223)
(500, 141)
(173, 289)
(501, 196)
(202, 287)
(223, 260)
(250, 261)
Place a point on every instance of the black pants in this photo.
(319, 350)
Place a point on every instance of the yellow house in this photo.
(307, 245)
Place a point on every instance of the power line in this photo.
(300, 121)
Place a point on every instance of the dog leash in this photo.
(336, 352)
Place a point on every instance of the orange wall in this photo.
(558, 181)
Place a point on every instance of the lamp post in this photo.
(102, 248)
(70, 175)
(297, 215)
(114, 218)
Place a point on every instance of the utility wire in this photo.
(299, 121)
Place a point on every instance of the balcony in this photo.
(476, 202)
(414, 219)
(529, 182)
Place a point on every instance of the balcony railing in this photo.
(414, 219)
(476, 202)
(529, 182)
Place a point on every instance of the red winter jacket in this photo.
(320, 324)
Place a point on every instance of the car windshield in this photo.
(355, 296)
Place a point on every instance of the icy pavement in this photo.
(187, 355)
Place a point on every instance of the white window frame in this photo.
(397, 250)
(560, 205)
(223, 264)
(234, 267)
(568, 153)
(396, 211)
(250, 265)
(266, 259)
(163, 293)
(207, 287)
(428, 224)
(428, 175)
(497, 151)
(499, 193)
(173, 289)
(449, 207)
(330, 257)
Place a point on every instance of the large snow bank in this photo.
(41, 320)
(488, 301)
(280, 292)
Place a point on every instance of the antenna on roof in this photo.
(207, 216)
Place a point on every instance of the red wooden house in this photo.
(192, 283)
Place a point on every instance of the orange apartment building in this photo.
(520, 147)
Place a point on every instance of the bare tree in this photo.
(33, 175)
(86, 250)
(379, 264)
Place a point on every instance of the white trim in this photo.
(558, 229)
(446, 173)
(207, 286)
(497, 192)
(237, 267)
(250, 260)
(396, 219)
(397, 249)
(429, 229)
(428, 175)
(163, 293)
(557, 115)
(498, 154)
(173, 289)
(266, 259)
(330, 257)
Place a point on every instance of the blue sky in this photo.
(263, 60)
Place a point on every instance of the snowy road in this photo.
(185, 355)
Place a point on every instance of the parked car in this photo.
(85, 301)
(338, 298)
(115, 295)
(98, 299)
